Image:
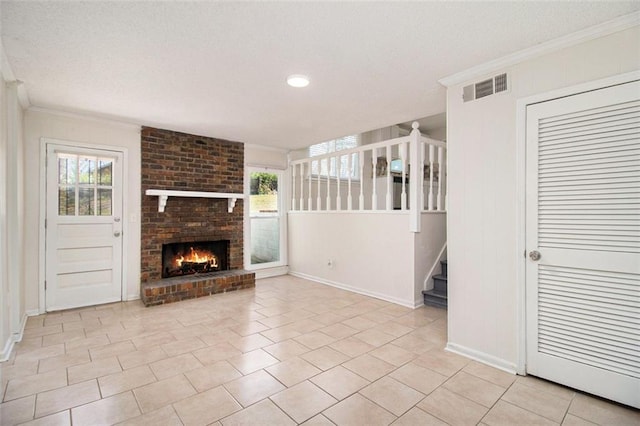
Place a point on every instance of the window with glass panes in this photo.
(85, 185)
(339, 165)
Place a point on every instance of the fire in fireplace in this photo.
(194, 258)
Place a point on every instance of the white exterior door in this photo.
(83, 227)
(583, 219)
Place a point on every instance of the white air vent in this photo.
(485, 88)
(500, 83)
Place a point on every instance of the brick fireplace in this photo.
(178, 161)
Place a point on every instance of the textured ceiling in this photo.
(219, 68)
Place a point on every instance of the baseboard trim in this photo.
(132, 297)
(482, 357)
(6, 351)
(405, 303)
(14, 338)
(23, 324)
(270, 272)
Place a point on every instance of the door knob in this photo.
(535, 255)
(116, 234)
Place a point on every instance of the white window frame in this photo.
(281, 215)
(319, 167)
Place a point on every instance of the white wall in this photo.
(49, 124)
(263, 156)
(12, 303)
(370, 253)
(5, 305)
(483, 195)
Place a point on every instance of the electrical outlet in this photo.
(330, 263)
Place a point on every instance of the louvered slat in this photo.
(588, 199)
(583, 215)
(588, 174)
(589, 114)
(606, 342)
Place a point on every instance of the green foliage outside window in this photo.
(263, 183)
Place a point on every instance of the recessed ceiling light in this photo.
(298, 80)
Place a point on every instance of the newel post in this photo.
(415, 179)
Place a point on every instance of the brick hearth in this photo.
(191, 286)
(179, 161)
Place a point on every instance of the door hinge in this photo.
(45, 224)
(45, 284)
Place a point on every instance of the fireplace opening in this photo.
(199, 257)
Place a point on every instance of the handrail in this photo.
(357, 149)
(362, 179)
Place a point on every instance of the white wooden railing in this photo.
(377, 177)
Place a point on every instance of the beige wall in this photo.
(5, 305)
(41, 124)
(483, 195)
(12, 302)
(370, 253)
(256, 155)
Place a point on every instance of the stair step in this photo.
(440, 284)
(433, 298)
(444, 267)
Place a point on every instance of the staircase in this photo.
(438, 296)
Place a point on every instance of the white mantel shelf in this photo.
(164, 194)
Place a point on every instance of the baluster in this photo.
(328, 184)
(309, 202)
(403, 156)
(319, 200)
(416, 176)
(361, 198)
(423, 158)
(374, 172)
(440, 154)
(293, 185)
(389, 181)
(338, 173)
(430, 203)
(349, 173)
(301, 207)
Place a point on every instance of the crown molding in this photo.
(84, 116)
(606, 28)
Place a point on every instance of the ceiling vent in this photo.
(485, 88)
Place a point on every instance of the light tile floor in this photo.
(289, 352)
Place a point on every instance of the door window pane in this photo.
(67, 169)
(67, 201)
(105, 168)
(104, 202)
(86, 202)
(87, 170)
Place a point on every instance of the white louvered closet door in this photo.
(583, 218)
